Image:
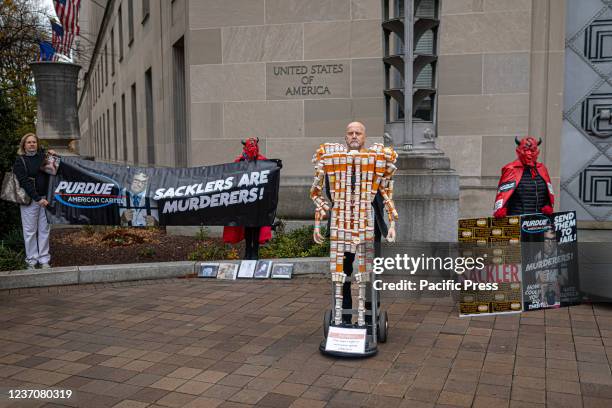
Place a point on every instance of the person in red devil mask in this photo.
(253, 236)
(524, 186)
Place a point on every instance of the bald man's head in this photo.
(355, 135)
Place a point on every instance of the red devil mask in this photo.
(527, 150)
(250, 151)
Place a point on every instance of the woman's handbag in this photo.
(50, 164)
(12, 191)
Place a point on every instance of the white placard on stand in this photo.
(345, 340)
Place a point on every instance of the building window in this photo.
(106, 65)
(103, 130)
(112, 54)
(123, 129)
(103, 136)
(92, 142)
(99, 138)
(99, 141)
(95, 146)
(95, 139)
(130, 22)
(134, 126)
(178, 96)
(99, 79)
(425, 47)
(146, 8)
(149, 117)
(116, 143)
(108, 135)
(423, 35)
(120, 18)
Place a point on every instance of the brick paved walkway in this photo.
(206, 343)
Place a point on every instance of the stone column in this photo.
(426, 188)
(426, 197)
(57, 120)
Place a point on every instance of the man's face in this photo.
(139, 183)
(550, 242)
(528, 151)
(355, 136)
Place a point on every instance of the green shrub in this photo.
(89, 230)
(318, 250)
(122, 237)
(281, 246)
(11, 260)
(146, 252)
(295, 244)
(13, 239)
(212, 251)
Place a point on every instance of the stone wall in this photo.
(295, 72)
(500, 76)
(290, 72)
(484, 91)
(151, 47)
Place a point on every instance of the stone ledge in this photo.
(124, 272)
(39, 278)
(127, 272)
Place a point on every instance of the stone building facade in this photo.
(181, 82)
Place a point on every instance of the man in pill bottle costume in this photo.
(354, 176)
(524, 186)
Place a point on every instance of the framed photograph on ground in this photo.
(262, 270)
(227, 271)
(247, 269)
(282, 271)
(208, 270)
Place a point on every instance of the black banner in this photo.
(550, 260)
(238, 194)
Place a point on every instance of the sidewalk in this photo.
(207, 343)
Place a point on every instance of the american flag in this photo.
(66, 44)
(68, 13)
(61, 40)
(57, 36)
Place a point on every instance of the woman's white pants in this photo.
(35, 234)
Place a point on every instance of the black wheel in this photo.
(326, 322)
(383, 327)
